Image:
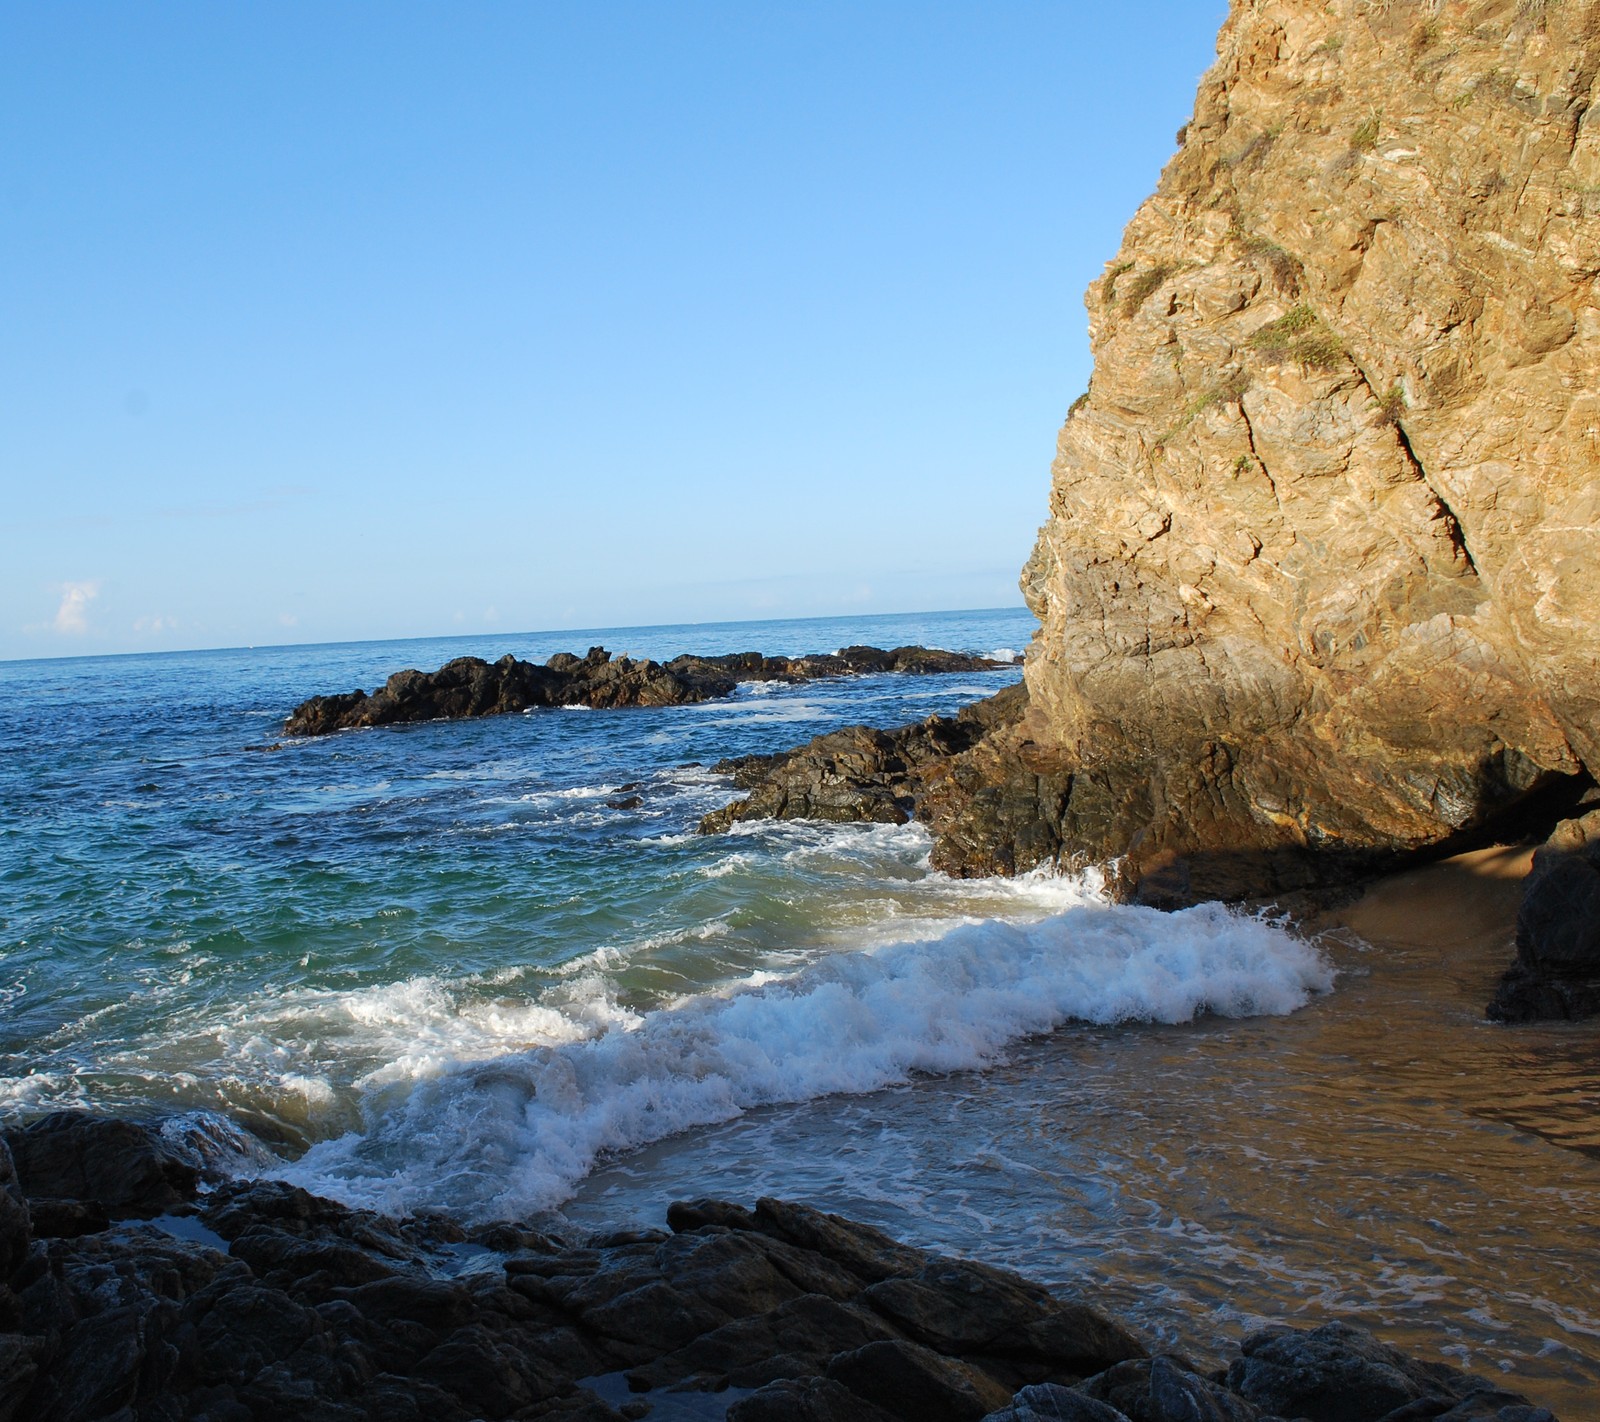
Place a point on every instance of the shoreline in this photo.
(1464, 905)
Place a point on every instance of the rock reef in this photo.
(470, 686)
(1318, 585)
(256, 1301)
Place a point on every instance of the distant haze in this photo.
(326, 322)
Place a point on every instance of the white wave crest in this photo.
(506, 1137)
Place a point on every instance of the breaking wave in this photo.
(507, 1137)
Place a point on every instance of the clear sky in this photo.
(340, 320)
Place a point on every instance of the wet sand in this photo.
(1465, 904)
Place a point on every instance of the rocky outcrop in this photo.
(1318, 580)
(470, 686)
(1323, 553)
(858, 774)
(274, 1303)
(1557, 970)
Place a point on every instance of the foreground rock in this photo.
(279, 1304)
(1557, 970)
(469, 686)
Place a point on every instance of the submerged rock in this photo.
(469, 687)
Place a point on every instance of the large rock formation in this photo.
(1322, 569)
(1320, 580)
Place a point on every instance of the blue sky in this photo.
(330, 321)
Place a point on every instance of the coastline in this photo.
(603, 1330)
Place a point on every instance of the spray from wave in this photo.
(504, 1138)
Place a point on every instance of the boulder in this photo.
(1341, 1373)
(123, 1167)
(1557, 968)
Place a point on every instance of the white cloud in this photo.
(72, 617)
(156, 624)
(288, 619)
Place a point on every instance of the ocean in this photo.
(489, 968)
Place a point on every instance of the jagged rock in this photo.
(866, 1252)
(121, 1166)
(1309, 592)
(19, 1353)
(1051, 1402)
(962, 1307)
(806, 1400)
(1340, 1373)
(470, 686)
(1557, 969)
(795, 1340)
(16, 1224)
(334, 1314)
(66, 1219)
(1165, 1389)
(916, 1382)
(858, 774)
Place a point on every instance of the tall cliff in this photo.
(1321, 575)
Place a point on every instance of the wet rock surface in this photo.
(279, 1304)
(469, 686)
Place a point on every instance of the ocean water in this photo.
(454, 966)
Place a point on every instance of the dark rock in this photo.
(469, 686)
(16, 1225)
(866, 1252)
(1557, 969)
(796, 1339)
(806, 1400)
(19, 1367)
(490, 1372)
(1339, 1373)
(67, 1219)
(1492, 1406)
(334, 1315)
(915, 1382)
(685, 1215)
(1178, 1394)
(859, 774)
(962, 1307)
(1051, 1402)
(124, 1167)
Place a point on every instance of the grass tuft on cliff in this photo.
(1303, 336)
(1143, 286)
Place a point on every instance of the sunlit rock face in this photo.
(1320, 579)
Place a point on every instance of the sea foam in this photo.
(506, 1137)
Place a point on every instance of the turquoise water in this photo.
(450, 966)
